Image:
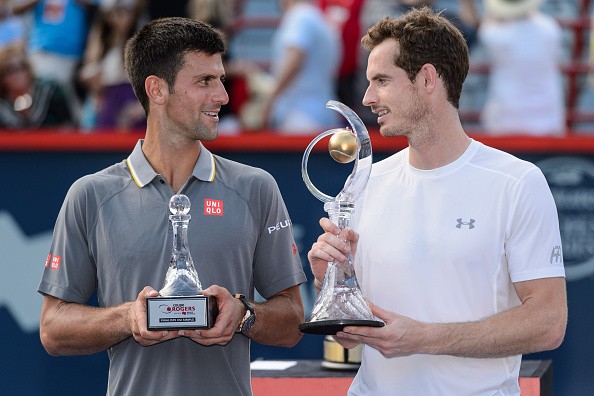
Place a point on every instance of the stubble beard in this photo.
(411, 121)
(207, 134)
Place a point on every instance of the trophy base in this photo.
(331, 327)
(181, 312)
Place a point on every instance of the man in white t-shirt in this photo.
(525, 94)
(458, 247)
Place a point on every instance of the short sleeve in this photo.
(533, 246)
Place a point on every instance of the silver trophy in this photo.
(340, 302)
(180, 304)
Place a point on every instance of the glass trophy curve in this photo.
(340, 302)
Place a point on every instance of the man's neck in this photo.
(174, 162)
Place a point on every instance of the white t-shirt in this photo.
(445, 245)
(525, 93)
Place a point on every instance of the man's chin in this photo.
(208, 136)
(387, 132)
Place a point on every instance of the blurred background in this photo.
(67, 109)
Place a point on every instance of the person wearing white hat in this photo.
(525, 93)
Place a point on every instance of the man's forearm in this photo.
(278, 318)
(536, 325)
(75, 329)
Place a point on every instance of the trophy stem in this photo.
(340, 213)
(181, 278)
(340, 296)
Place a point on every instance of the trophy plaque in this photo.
(180, 306)
(340, 302)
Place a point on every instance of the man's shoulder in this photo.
(103, 183)
(496, 160)
(239, 174)
(388, 164)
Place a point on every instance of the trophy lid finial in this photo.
(179, 204)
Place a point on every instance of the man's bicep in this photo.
(545, 290)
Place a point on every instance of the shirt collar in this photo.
(143, 173)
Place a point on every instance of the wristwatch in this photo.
(249, 318)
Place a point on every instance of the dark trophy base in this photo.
(181, 313)
(331, 327)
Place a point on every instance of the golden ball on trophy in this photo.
(343, 146)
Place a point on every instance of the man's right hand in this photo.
(332, 245)
(138, 326)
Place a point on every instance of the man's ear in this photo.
(156, 89)
(428, 77)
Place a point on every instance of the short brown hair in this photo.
(425, 37)
(159, 48)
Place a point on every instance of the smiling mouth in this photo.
(380, 114)
(212, 114)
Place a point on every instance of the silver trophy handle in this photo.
(355, 183)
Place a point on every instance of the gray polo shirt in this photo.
(113, 236)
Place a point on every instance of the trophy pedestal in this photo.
(181, 312)
(333, 326)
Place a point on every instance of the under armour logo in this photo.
(556, 254)
(469, 223)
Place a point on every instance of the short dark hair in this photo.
(425, 37)
(159, 49)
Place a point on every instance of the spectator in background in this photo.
(103, 73)
(345, 16)
(525, 93)
(57, 39)
(12, 28)
(464, 16)
(585, 96)
(26, 101)
(306, 54)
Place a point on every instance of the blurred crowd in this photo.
(61, 62)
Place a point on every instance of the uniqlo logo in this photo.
(55, 262)
(47, 260)
(213, 207)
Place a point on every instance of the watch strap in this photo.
(250, 315)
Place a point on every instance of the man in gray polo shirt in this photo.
(113, 236)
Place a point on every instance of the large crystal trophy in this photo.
(340, 302)
(180, 304)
